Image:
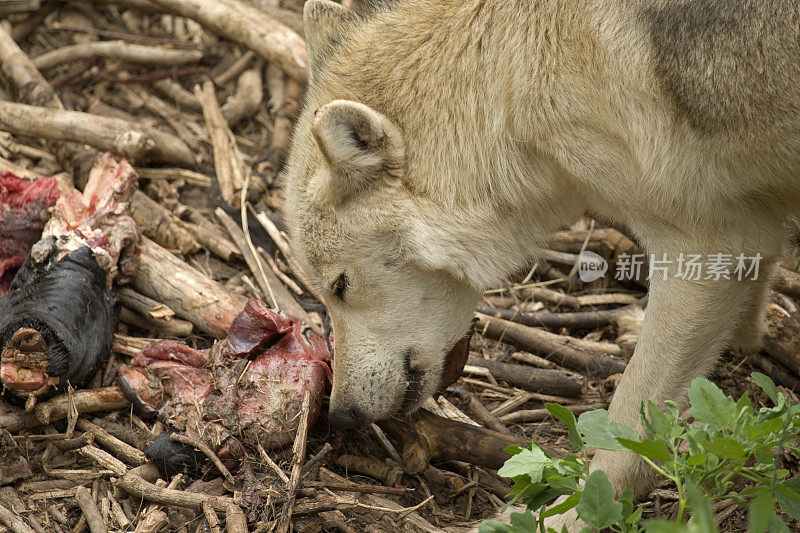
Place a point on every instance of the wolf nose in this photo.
(345, 418)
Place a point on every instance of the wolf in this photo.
(441, 140)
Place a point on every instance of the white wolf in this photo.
(442, 140)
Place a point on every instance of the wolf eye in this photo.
(340, 285)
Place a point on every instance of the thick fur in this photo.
(508, 118)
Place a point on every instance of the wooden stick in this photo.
(208, 452)
(283, 245)
(190, 177)
(786, 281)
(536, 415)
(374, 468)
(298, 458)
(246, 101)
(208, 234)
(179, 95)
(412, 520)
(174, 327)
(543, 294)
(18, 6)
(286, 95)
(426, 436)
(269, 282)
(89, 507)
(541, 380)
(480, 411)
(31, 86)
(192, 295)
(782, 337)
(119, 50)
(249, 27)
(579, 321)
(235, 70)
(110, 134)
(144, 305)
(161, 225)
(124, 451)
(229, 175)
(553, 347)
(235, 521)
(14, 522)
(211, 518)
(85, 401)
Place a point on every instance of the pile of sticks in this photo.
(201, 96)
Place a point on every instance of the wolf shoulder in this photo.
(727, 64)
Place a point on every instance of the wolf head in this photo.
(398, 301)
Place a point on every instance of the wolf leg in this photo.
(688, 323)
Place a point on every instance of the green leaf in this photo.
(726, 448)
(526, 462)
(523, 522)
(513, 449)
(744, 403)
(626, 499)
(543, 498)
(696, 460)
(710, 405)
(566, 484)
(788, 494)
(493, 526)
(776, 525)
(761, 508)
(566, 416)
(702, 515)
(597, 506)
(600, 432)
(561, 508)
(652, 449)
(657, 422)
(767, 384)
(762, 429)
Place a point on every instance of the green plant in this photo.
(728, 442)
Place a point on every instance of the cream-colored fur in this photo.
(442, 140)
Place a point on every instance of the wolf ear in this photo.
(360, 145)
(320, 21)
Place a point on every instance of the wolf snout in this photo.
(346, 418)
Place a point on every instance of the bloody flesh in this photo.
(59, 316)
(250, 385)
(25, 207)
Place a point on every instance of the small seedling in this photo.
(727, 442)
